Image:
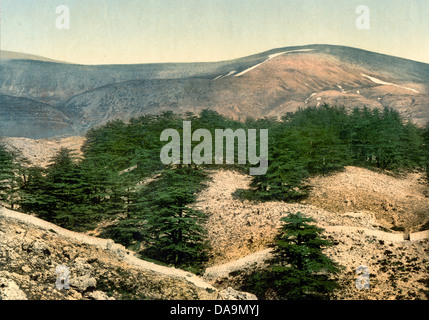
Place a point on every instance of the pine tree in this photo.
(67, 186)
(174, 231)
(299, 269)
(412, 147)
(284, 179)
(35, 195)
(10, 180)
(308, 142)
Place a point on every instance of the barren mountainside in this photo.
(239, 232)
(267, 84)
(374, 217)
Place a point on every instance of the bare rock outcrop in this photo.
(30, 255)
(9, 290)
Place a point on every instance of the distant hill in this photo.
(11, 55)
(23, 117)
(266, 84)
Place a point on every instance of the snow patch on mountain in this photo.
(225, 76)
(270, 57)
(378, 81)
(312, 95)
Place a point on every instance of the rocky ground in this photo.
(30, 255)
(367, 215)
(400, 202)
(39, 152)
(239, 232)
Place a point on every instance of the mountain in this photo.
(24, 117)
(12, 55)
(266, 84)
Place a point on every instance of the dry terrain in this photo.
(46, 99)
(39, 152)
(399, 202)
(29, 257)
(240, 232)
(32, 249)
(374, 219)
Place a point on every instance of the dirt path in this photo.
(223, 270)
(106, 244)
(237, 228)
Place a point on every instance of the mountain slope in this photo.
(282, 82)
(31, 249)
(12, 55)
(266, 84)
(53, 82)
(29, 118)
(240, 232)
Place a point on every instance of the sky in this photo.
(152, 31)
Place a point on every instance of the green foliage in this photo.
(426, 149)
(61, 194)
(298, 269)
(35, 197)
(174, 231)
(322, 140)
(10, 179)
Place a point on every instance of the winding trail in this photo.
(387, 236)
(107, 244)
(258, 258)
(211, 273)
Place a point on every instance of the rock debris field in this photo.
(240, 231)
(32, 249)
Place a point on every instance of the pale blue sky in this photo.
(146, 31)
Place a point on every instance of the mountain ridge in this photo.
(270, 83)
(14, 55)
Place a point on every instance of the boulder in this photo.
(83, 283)
(232, 294)
(9, 290)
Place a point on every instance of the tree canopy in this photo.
(299, 269)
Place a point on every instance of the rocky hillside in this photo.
(276, 82)
(24, 117)
(368, 215)
(32, 249)
(240, 231)
(397, 201)
(39, 152)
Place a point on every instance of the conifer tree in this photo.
(299, 269)
(9, 179)
(174, 231)
(69, 190)
(35, 194)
